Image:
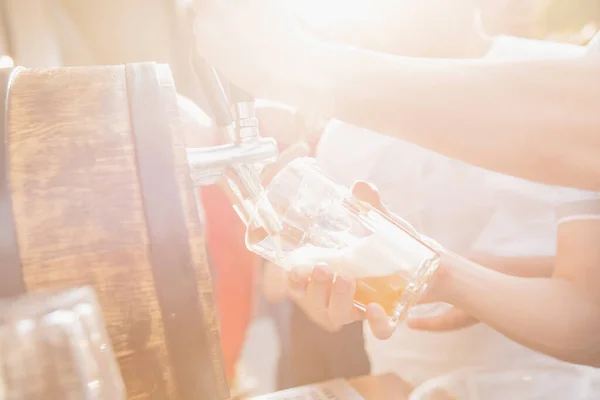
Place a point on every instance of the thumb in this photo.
(368, 193)
(379, 322)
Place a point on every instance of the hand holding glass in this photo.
(324, 224)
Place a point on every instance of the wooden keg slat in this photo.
(11, 276)
(210, 343)
(80, 220)
(174, 272)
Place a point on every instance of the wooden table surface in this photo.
(384, 387)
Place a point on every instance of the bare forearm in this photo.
(526, 267)
(545, 314)
(534, 119)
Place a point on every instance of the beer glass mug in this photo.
(538, 382)
(323, 223)
(54, 346)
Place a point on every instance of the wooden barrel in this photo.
(95, 190)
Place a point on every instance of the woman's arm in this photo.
(559, 316)
(457, 318)
(526, 267)
(533, 119)
(426, 28)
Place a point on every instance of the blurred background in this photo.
(262, 332)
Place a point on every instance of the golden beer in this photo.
(383, 290)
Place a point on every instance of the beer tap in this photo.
(244, 153)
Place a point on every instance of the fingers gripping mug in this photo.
(324, 224)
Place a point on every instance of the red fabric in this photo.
(234, 266)
(235, 269)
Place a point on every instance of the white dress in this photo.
(464, 208)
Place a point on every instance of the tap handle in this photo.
(208, 78)
(220, 96)
(212, 87)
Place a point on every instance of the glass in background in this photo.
(526, 383)
(55, 346)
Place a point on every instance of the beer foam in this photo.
(366, 257)
(372, 257)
